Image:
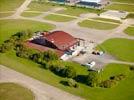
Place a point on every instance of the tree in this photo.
(70, 72)
(93, 79)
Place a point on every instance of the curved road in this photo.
(41, 90)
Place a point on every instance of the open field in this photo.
(74, 11)
(5, 14)
(34, 6)
(120, 48)
(12, 91)
(10, 27)
(29, 68)
(108, 20)
(124, 1)
(58, 18)
(10, 5)
(129, 31)
(30, 14)
(97, 25)
(121, 7)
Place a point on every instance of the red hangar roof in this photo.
(61, 39)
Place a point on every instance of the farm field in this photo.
(121, 7)
(12, 91)
(58, 18)
(97, 25)
(129, 31)
(10, 5)
(9, 27)
(120, 48)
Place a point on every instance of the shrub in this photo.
(70, 72)
(108, 83)
(118, 77)
(70, 82)
(93, 79)
(131, 68)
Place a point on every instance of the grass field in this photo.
(125, 87)
(5, 14)
(10, 27)
(121, 7)
(30, 14)
(58, 18)
(97, 25)
(129, 31)
(10, 5)
(12, 91)
(124, 1)
(120, 48)
(108, 20)
(34, 6)
(74, 11)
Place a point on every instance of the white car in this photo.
(90, 64)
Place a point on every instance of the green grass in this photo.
(34, 6)
(124, 1)
(108, 20)
(10, 27)
(10, 5)
(125, 87)
(129, 31)
(120, 48)
(121, 7)
(30, 14)
(74, 11)
(12, 91)
(5, 14)
(97, 25)
(58, 18)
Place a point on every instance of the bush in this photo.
(70, 82)
(131, 68)
(93, 79)
(118, 77)
(108, 83)
(70, 72)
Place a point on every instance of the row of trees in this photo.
(50, 60)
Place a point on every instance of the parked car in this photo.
(98, 52)
(90, 64)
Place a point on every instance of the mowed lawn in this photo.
(74, 11)
(97, 25)
(30, 14)
(10, 5)
(12, 91)
(120, 48)
(10, 27)
(121, 7)
(35, 6)
(58, 18)
(129, 30)
(108, 20)
(5, 14)
(123, 91)
(124, 1)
